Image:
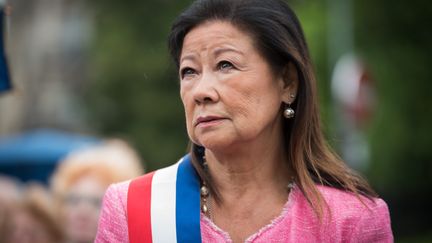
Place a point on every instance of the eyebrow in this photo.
(188, 57)
(219, 51)
(216, 53)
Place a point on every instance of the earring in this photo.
(289, 112)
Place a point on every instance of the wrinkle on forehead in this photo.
(223, 35)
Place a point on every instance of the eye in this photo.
(225, 65)
(187, 72)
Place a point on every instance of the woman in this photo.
(258, 155)
(31, 218)
(80, 181)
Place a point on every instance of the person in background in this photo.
(10, 189)
(31, 219)
(80, 181)
(259, 168)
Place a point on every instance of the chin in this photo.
(216, 144)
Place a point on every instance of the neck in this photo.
(249, 172)
(253, 188)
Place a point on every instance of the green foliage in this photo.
(134, 89)
(313, 20)
(395, 40)
(396, 43)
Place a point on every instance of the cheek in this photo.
(242, 107)
(243, 101)
(255, 105)
(188, 106)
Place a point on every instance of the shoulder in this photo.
(117, 191)
(346, 217)
(116, 196)
(348, 204)
(345, 204)
(361, 218)
(119, 197)
(113, 219)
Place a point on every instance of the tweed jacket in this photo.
(348, 220)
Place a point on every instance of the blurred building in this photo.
(47, 44)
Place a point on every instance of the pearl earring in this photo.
(289, 112)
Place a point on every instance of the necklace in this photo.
(205, 192)
(205, 198)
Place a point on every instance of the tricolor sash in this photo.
(164, 206)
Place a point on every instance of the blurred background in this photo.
(82, 71)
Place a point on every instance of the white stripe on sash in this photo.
(163, 205)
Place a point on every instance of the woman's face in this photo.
(81, 208)
(229, 92)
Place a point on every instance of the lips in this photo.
(207, 119)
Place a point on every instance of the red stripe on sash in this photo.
(138, 209)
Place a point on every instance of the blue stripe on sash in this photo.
(187, 203)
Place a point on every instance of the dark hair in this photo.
(279, 38)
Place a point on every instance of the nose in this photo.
(205, 90)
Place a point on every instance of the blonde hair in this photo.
(110, 162)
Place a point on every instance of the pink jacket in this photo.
(350, 220)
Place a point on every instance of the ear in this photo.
(289, 83)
